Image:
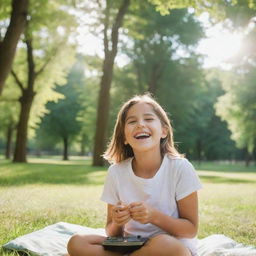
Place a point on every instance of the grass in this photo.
(228, 201)
(47, 191)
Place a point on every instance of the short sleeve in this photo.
(187, 180)
(110, 194)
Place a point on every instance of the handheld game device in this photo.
(124, 244)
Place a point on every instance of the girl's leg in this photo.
(162, 245)
(88, 245)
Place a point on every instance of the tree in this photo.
(9, 111)
(45, 41)
(8, 120)
(156, 42)
(124, 86)
(11, 38)
(110, 51)
(103, 101)
(219, 9)
(155, 63)
(62, 124)
(208, 137)
(238, 108)
(87, 114)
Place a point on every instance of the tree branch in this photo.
(46, 63)
(117, 24)
(50, 57)
(105, 31)
(17, 80)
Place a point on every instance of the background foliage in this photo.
(213, 110)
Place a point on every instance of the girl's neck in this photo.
(146, 165)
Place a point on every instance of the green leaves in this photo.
(237, 106)
(61, 120)
(165, 7)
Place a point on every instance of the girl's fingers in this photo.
(140, 212)
(122, 214)
(141, 219)
(135, 205)
(120, 207)
(123, 220)
(139, 216)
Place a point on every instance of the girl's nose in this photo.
(141, 123)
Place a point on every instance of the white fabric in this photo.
(52, 241)
(175, 179)
(220, 245)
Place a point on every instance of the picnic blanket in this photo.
(52, 241)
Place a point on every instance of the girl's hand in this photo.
(120, 214)
(141, 212)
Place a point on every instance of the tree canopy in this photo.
(157, 41)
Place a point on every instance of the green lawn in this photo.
(47, 191)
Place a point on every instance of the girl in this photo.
(150, 189)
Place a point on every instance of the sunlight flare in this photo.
(220, 46)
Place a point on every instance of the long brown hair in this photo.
(117, 151)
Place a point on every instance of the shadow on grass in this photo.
(219, 179)
(77, 172)
(51, 173)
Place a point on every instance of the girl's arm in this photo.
(117, 216)
(185, 226)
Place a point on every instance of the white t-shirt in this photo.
(175, 179)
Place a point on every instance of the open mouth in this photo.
(141, 136)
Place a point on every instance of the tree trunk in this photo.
(254, 154)
(105, 84)
(102, 112)
(65, 148)
(155, 75)
(26, 101)
(10, 41)
(199, 150)
(139, 77)
(82, 145)
(22, 129)
(247, 158)
(152, 86)
(8, 141)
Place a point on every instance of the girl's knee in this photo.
(84, 244)
(165, 245)
(172, 245)
(74, 244)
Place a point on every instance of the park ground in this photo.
(46, 191)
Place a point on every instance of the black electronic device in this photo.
(124, 244)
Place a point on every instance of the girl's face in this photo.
(143, 129)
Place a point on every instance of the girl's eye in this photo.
(149, 119)
(131, 122)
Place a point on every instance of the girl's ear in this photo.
(164, 132)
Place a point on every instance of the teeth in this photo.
(143, 134)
